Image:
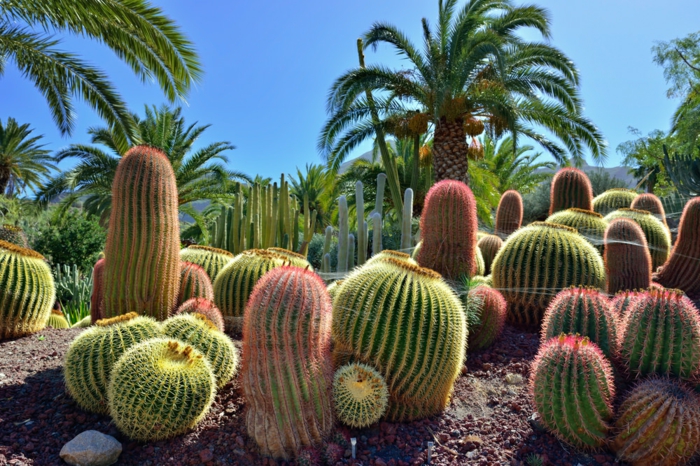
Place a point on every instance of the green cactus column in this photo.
(627, 258)
(570, 188)
(509, 215)
(142, 268)
(613, 199)
(657, 236)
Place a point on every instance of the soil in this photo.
(490, 419)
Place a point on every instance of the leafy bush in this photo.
(536, 203)
(602, 181)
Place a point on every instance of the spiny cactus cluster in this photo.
(613, 199)
(57, 320)
(589, 224)
(627, 258)
(360, 395)
(204, 307)
(489, 246)
(570, 188)
(657, 236)
(623, 301)
(492, 317)
(98, 292)
(402, 256)
(13, 234)
(297, 260)
(194, 283)
(651, 203)
(212, 260)
(509, 215)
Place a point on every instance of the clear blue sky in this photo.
(268, 67)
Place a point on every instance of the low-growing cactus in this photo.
(194, 283)
(333, 288)
(660, 334)
(480, 280)
(627, 259)
(360, 395)
(509, 215)
(297, 260)
(14, 235)
(613, 199)
(98, 292)
(93, 353)
(537, 262)
(572, 389)
(210, 259)
(27, 291)
(57, 320)
(585, 312)
(480, 262)
(651, 203)
(205, 307)
(85, 322)
(489, 246)
(159, 389)
(658, 238)
(200, 332)
(570, 188)
(492, 317)
(286, 373)
(623, 301)
(402, 256)
(589, 224)
(658, 424)
(386, 315)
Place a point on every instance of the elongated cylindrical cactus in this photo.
(572, 389)
(361, 224)
(406, 234)
(682, 270)
(292, 258)
(657, 236)
(537, 262)
(623, 301)
(585, 312)
(613, 199)
(210, 259)
(343, 231)
(660, 334)
(142, 268)
(376, 233)
(627, 259)
(658, 424)
(360, 395)
(194, 283)
(589, 224)
(448, 225)
(13, 234)
(570, 188)
(386, 315)
(98, 292)
(286, 371)
(492, 317)
(27, 291)
(489, 246)
(509, 215)
(651, 203)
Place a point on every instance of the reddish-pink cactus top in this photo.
(570, 188)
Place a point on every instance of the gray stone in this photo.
(91, 448)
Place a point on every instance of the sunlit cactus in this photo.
(57, 320)
(627, 259)
(205, 307)
(360, 395)
(651, 203)
(623, 301)
(194, 283)
(492, 317)
(210, 259)
(613, 199)
(589, 224)
(489, 246)
(402, 256)
(297, 260)
(656, 234)
(333, 288)
(509, 215)
(98, 291)
(570, 188)
(13, 234)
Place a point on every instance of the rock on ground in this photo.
(91, 448)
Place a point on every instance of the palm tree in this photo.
(199, 174)
(318, 184)
(515, 167)
(139, 33)
(24, 163)
(474, 72)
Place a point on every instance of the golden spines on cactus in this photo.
(333, 288)
(212, 260)
(613, 199)
(92, 355)
(159, 389)
(27, 291)
(297, 260)
(489, 246)
(402, 256)
(205, 307)
(658, 237)
(57, 320)
(14, 235)
(194, 283)
(360, 395)
(588, 223)
(200, 332)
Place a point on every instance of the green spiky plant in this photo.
(658, 424)
(13, 234)
(84, 323)
(194, 283)
(142, 254)
(481, 280)
(286, 371)
(204, 307)
(333, 288)
(492, 317)
(160, 388)
(627, 259)
(623, 301)
(235, 283)
(406, 299)
(98, 292)
(480, 262)
(585, 312)
(489, 246)
(657, 236)
(398, 255)
(570, 188)
(210, 259)
(297, 260)
(589, 224)
(72, 292)
(360, 395)
(509, 215)
(27, 291)
(572, 388)
(92, 355)
(651, 203)
(538, 261)
(613, 199)
(660, 334)
(57, 320)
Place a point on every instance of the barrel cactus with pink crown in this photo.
(509, 215)
(98, 292)
(194, 283)
(627, 259)
(570, 188)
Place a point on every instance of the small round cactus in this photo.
(205, 307)
(194, 283)
(210, 259)
(160, 388)
(492, 317)
(14, 235)
(57, 320)
(489, 246)
(360, 395)
(657, 236)
(613, 199)
(294, 259)
(402, 256)
(589, 224)
(570, 188)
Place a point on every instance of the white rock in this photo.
(91, 448)
(514, 379)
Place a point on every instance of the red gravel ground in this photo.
(489, 421)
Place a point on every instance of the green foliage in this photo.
(360, 395)
(73, 291)
(24, 163)
(602, 181)
(684, 172)
(536, 203)
(318, 184)
(517, 169)
(645, 158)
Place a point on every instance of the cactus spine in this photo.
(297, 260)
(627, 258)
(448, 226)
(212, 260)
(14, 235)
(570, 188)
(509, 215)
(398, 255)
(286, 372)
(537, 262)
(360, 395)
(361, 224)
(572, 388)
(623, 301)
(613, 199)
(589, 224)
(657, 236)
(406, 235)
(98, 292)
(650, 203)
(489, 246)
(27, 291)
(204, 307)
(194, 283)
(57, 320)
(142, 268)
(491, 318)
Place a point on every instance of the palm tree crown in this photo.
(24, 163)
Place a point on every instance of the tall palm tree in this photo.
(199, 174)
(24, 163)
(474, 71)
(515, 167)
(138, 32)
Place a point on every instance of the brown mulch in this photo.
(489, 421)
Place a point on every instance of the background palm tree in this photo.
(24, 163)
(138, 32)
(515, 167)
(318, 184)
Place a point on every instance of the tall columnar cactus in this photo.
(657, 236)
(204, 307)
(570, 188)
(286, 371)
(361, 224)
(660, 334)
(585, 312)
(386, 315)
(682, 270)
(376, 233)
(623, 301)
(234, 284)
(360, 395)
(406, 234)
(627, 259)
(142, 268)
(589, 224)
(343, 231)
(159, 389)
(509, 215)
(98, 292)
(210, 259)
(27, 291)
(93, 353)
(658, 424)
(292, 258)
(537, 262)
(448, 225)
(572, 388)
(651, 203)
(57, 320)
(194, 283)
(491, 318)
(14, 235)
(613, 199)
(489, 246)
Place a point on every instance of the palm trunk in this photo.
(4, 180)
(450, 151)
